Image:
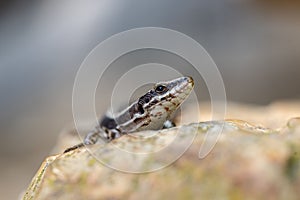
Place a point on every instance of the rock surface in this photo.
(246, 162)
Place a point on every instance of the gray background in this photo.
(255, 45)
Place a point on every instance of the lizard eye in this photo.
(160, 88)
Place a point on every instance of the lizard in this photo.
(152, 111)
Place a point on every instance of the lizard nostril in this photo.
(190, 80)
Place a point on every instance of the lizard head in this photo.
(169, 92)
(159, 103)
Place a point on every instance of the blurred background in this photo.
(255, 44)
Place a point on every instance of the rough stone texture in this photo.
(247, 162)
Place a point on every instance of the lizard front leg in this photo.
(169, 124)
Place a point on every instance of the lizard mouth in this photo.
(185, 84)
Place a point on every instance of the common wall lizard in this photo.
(152, 111)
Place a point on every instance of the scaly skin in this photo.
(152, 111)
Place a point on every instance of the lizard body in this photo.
(152, 111)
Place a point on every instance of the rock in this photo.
(235, 160)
